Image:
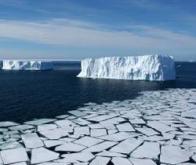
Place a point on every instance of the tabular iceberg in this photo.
(148, 67)
(26, 65)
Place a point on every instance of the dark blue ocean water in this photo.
(26, 95)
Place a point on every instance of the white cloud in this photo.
(84, 34)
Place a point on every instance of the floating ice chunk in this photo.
(149, 67)
(147, 131)
(100, 161)
(100, 147)
(81, 121)
(40, 155)
(21, 163)
(54, 133)
(149, 150)
(66, 124)
(88, 141)
(77, 113)
(80, 131)
(10, 145)
(121, 161)
(125, 127)
(21, 127)
(98, 132)
(52, 143)
(81, 156)
(110, 154)
(189, 114)
(26, 65)
(126, 146)
(160, 126)
(45, 127)
(194, 157)
(142, 161)
(7, 124)
(52, 163)
(32, 140)
(39, 121)
(14, 155)
(173, 155)
(118, 136)
(1, 161)
(70, 147)
(102, 117)
(137, 121)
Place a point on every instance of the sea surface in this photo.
(27, 95)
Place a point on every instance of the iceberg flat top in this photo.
(148, 67)
(26, 65)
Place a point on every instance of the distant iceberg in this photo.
(148, 67)
(26, 65)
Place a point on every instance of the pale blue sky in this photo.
(76, 29)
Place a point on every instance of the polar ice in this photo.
(26, 65)
(147, 67)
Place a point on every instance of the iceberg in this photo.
(26, 65)
(148, 67)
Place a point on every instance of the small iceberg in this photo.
(148, 67)
(26, 65)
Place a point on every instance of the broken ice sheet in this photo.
(100, 161)
(121, 161)
(110, 154)
(32, 140)
(98, 132)
(54, 133)
(119, 136)
(40, 155)
(10, 145)
(142, 161)
(81, 156)
(70, 147)
(126, 146)
(173, 155)
(125, 127)
(147, 131)
(14, 155)
(88, 141)
(149, 150)
(100, 147)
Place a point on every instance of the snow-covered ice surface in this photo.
(26, 65)
(148, 67)
(156, 128)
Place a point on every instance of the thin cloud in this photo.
(84, 34)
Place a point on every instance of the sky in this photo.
(77, 29)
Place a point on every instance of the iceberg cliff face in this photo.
(148, 67)
(26, 65)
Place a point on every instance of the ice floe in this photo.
(156, 128)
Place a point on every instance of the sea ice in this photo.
(142, 161)
(126, 146)
(81, 156)
(125, 127)
(100, 147)
(149, 150)
(14, 155)
(70, 147)
(100, 161)
(32, 140)
(121, 161)
(40, 155)
(88, 141)
(173, 155)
